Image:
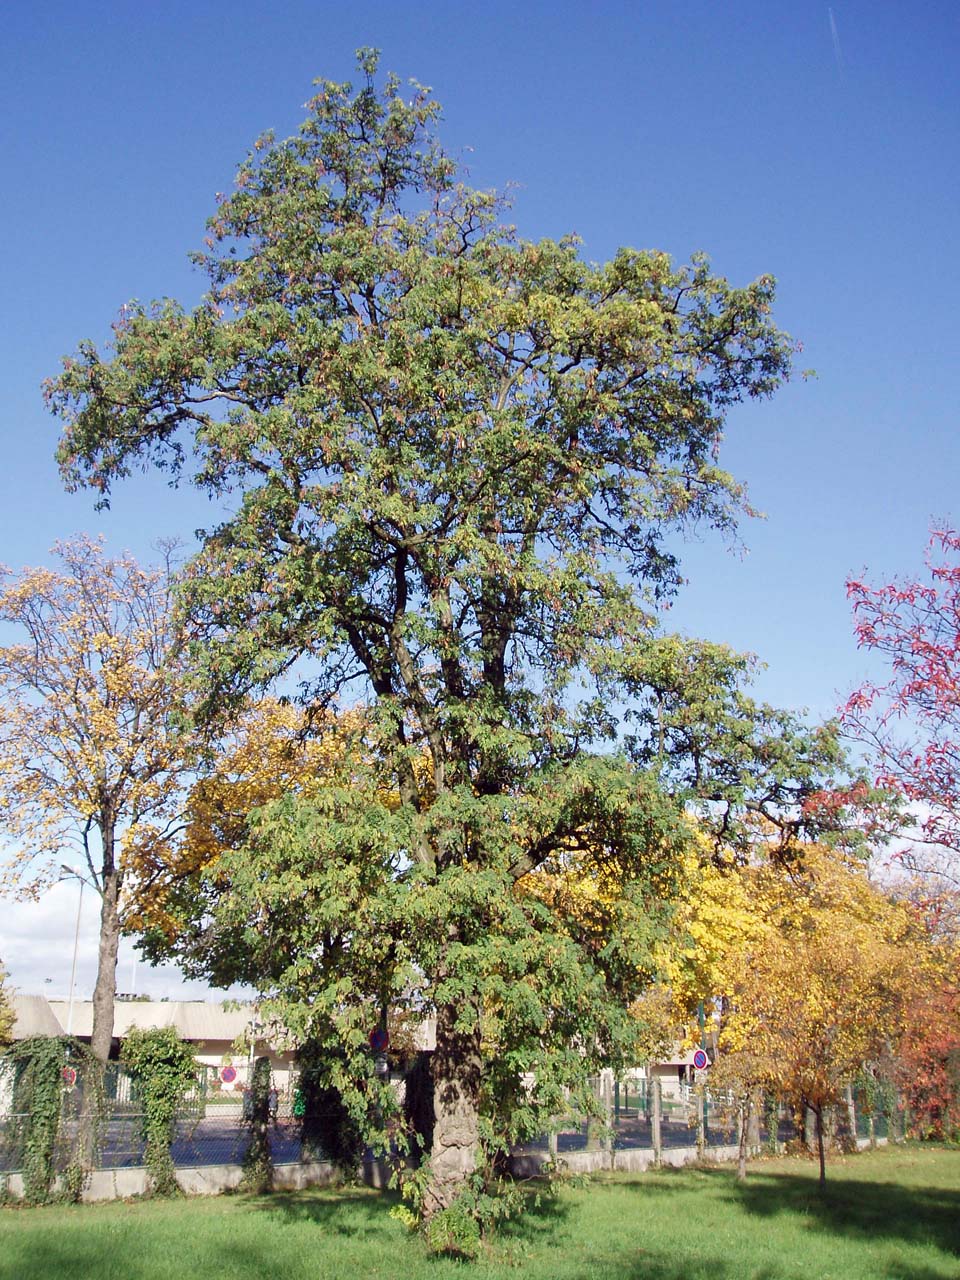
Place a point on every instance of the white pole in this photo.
(73, 970)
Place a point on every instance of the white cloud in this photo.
(36, 949)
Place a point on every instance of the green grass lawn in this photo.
(892, 1214)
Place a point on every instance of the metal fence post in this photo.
(851, 1114)
(592, 1124)
(606, 1094)
(656, 1114)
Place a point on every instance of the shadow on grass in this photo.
(342, 1211)
(849, 1208)
(354, 1233)
(867, 1210)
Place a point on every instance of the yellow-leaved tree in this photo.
(93, 728)
(822, 985)
(716, 915)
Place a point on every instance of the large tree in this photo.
(92, 728)
(459, 459)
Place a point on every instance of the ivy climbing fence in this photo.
(211, 1126)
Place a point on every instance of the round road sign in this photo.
(700, 1060)
(228, 1074)
(69, 1076)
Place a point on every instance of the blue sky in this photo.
(756, 131)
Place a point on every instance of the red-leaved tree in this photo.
(929, 1055)
(911, 721)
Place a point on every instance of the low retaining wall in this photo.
(634, 1160)
(637, 1160)
(214, 1179)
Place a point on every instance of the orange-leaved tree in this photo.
(823, 988)
(93, 728)
(267, 752)
(928, 1056)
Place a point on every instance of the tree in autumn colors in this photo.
(929, 1064)
(928, 1054)
(820, 986)
(458, 456)
(911, 721)
(266, 753)
(91, 736)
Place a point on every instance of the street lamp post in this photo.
(71, 874)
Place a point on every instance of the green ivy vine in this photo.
(329, 1128)
(875, 1094)
(258, 1108)
(162, 1070)
(57, 1085)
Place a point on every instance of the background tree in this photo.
(268, 751)
(91, 729)
(928, 1053)
(716, 916)
(458, 456)
(911, 722)
(823, 989)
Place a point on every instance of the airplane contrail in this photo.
(835, 35)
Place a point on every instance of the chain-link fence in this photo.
(212, 1124)
(657, 1114)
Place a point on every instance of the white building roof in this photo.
(34, 1017)
(195, 1020)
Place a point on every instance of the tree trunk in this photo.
(104, 992)
(456, 1068)
(754, 1105)
(746, 1112)
(106, 985)
(818, 1116)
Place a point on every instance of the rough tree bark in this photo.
(456, 1069)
